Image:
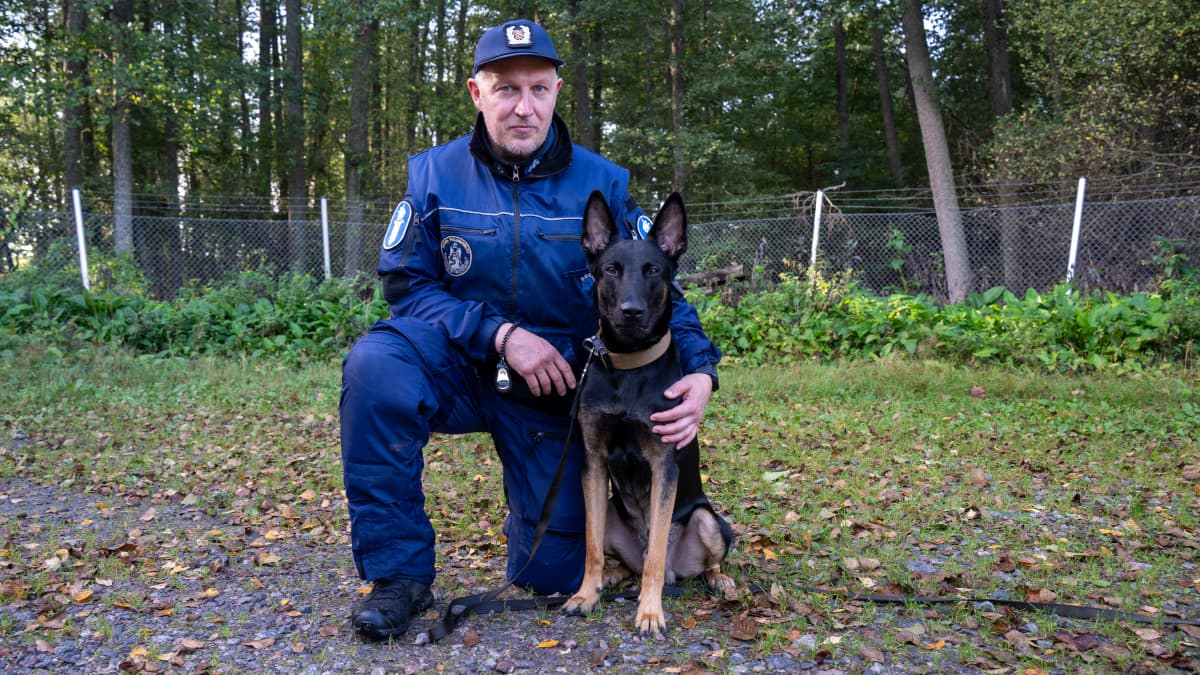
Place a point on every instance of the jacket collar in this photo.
(548, 161)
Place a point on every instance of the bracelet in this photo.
(507, 334)
(503, 380)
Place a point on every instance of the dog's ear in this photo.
(599, 230)
(670, 227)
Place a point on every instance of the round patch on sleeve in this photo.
(643, 226)
(402, 217)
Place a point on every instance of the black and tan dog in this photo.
(659, 522)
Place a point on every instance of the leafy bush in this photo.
(822, 317)
(1063, 330)
(251, 313)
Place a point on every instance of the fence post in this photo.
(812, 261)
(79, 235)
(325, 233)
(1075, 228)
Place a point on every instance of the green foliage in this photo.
(252, 313)
(1063, 330)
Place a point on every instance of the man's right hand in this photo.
(536, 360)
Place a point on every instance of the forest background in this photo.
(152, 108)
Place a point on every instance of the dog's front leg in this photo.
(595, 506)
(650, 618)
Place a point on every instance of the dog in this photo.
(659, 522)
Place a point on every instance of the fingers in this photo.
(681, 424)
(539, 364)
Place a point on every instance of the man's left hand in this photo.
(679, 425)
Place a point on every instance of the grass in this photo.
(891, 476)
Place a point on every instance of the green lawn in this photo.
(883, 477)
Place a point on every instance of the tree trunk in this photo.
(297, 183)
(843, 98)
(358, 160)
(937, 156)
(675, 70)
(266, 122)
(579, 84)
(122, 144)
(995, 37)
(886, 110)
(75, 68)
(416, 70)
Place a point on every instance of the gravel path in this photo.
(134, 586)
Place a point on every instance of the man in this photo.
(490, 300)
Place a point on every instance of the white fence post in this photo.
(1075, 228)
(83, 265)
(325, 233)
(812, 261)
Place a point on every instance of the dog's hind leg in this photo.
(699, 549)
(621, 543)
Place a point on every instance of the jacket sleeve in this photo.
(413, 276)
(699, 353)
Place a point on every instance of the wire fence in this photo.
(1125, 244)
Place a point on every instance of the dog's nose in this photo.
(632, 310)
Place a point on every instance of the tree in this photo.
(887, 112)
(122, 145)
(357, 156)
(937, 156)
(297, 177)
(75, 109)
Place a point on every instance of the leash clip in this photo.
(594, 345)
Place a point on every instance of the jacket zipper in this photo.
(512, 292)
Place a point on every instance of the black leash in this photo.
(482, 603)
(1059, 609)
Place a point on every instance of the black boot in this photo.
(386, 612)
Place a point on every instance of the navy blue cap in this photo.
(520, 37)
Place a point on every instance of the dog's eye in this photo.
(612, 270)
(653, 270)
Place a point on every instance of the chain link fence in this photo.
(1125, 245)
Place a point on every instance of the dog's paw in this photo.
(650, 620)
(721, 585)
(581, 603)
(613, 576)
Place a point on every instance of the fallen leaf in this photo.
(547, 644)
(978, 391)
(1147, 634)
(979, 477)
(744, 628)
(471, 638)
(935, 646)
(260, 644)
(188, 645)
(869, 653)
(82, 596)
(148, 515)
(1041, 595)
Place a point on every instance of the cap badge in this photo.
(518, 35)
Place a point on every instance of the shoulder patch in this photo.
(402, 217)
(643, 226)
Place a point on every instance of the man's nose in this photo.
(525, 104)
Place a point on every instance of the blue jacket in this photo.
(478, 241)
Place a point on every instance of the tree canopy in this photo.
(728, 99)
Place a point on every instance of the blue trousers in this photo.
(403, 381)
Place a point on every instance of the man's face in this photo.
(516, 96)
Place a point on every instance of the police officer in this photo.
(490, 300)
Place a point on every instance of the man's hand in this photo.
(679, 425)
(536, 361)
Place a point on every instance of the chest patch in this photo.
(456, 256)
